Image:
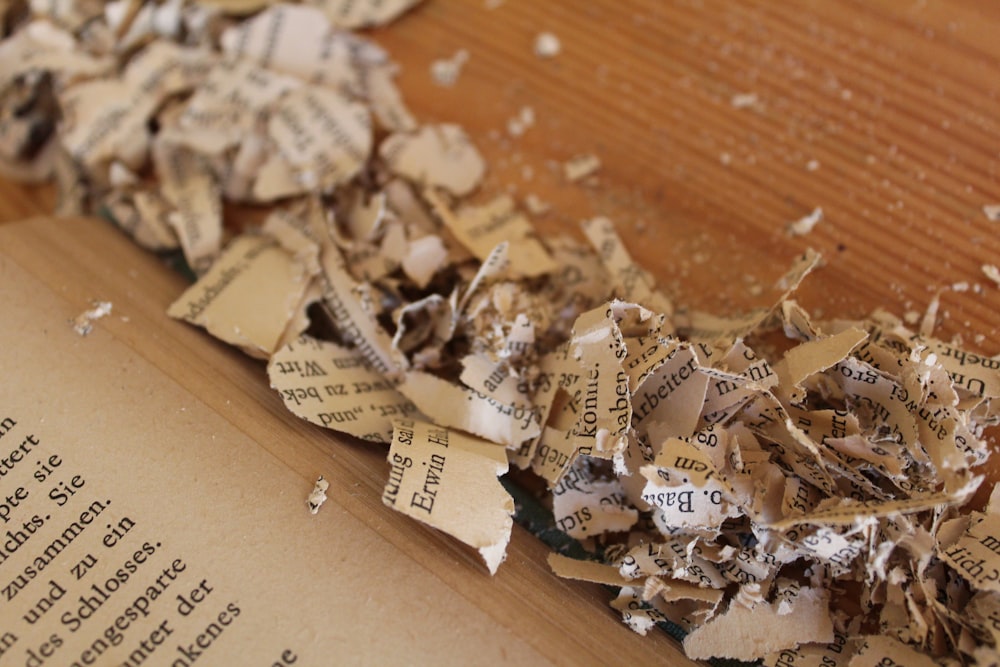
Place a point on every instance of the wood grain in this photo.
(894, 101)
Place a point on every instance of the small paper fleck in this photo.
(804, 225)
(991, 272)
(547, 45)
(318, 495)
(446, 70)
(83, 323)
(744, 100)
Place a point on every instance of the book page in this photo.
(140, 526)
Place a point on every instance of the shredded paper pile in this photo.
(780, 488)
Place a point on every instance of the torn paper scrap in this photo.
(776, 486)
(547, 45)
(992, 212)
(252, 269)
(805, 224)
(518, 125)
(635, 613)
(744, 100)
(324, 136)
(837, 653)
(584, 506)
(445, 71)
(335, 387)
(481, 228)
(318, 495)
(631, 282)
(83, 323)
(189, 186)
(458, 406)
(587, 570)
(355, 14)
(976, 554)
(440, 156)
(296, 40)
(798, 615)
(992, 272)
(580, 167)
(879, 650)
(435, 471)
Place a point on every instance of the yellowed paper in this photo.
(605, 411)
(439, 156)
(223, 112)
(876, 651)
(976, 554)
(334, 387)
(669, 400)
(104, 120)
(42, 45)
(586, 570)
(803, 360)
(386, 102)
(433, 472)
(460, 407)
(189, 186)
(142, 548)
(681, 482)
(366, 13)
(143, 215)
(482, 228)
(837, 653)
(584, 506)
(630, 281)
(800, 615)
(296, 40)
(317, 497)
(580, 167)
(253, 268)
(323, 136)
(637, 615)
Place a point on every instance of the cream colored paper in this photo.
(976, 554)
(586, 570)
(433, 472)
(879, 651)
(190, 187)
(837, 653)
(251, 267)
(631, 283)
(334, 387)
(459, 407)
(296, 40)
(482, 228)
(324, 137)
(800, 615)
(365, 14)
(440, 156)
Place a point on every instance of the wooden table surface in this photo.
(883, 113)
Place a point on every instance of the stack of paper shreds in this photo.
(799, 502)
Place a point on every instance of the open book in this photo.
(154, 508)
